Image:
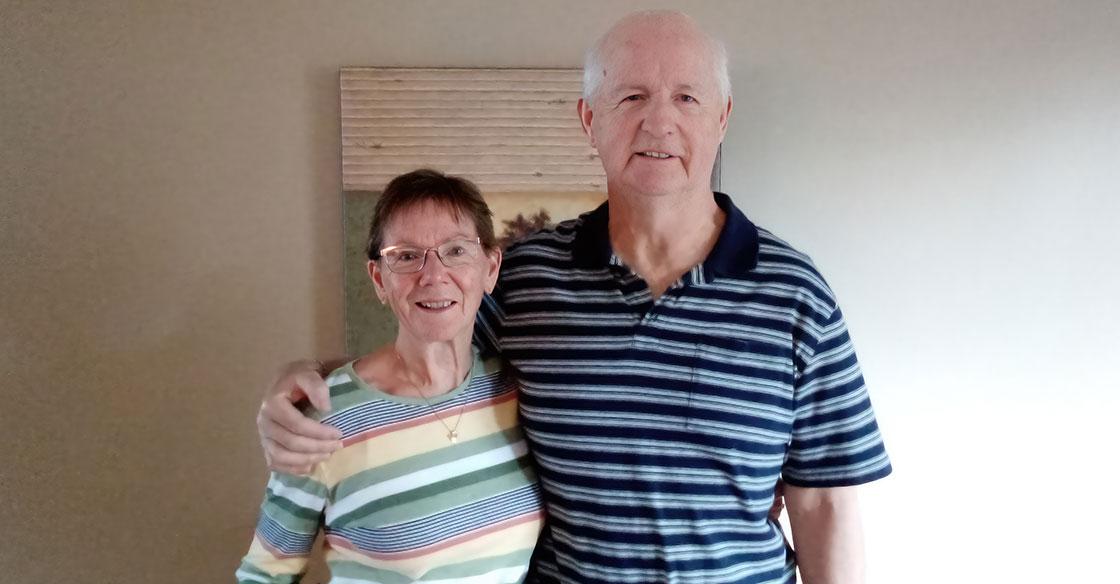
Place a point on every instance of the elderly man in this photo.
(676, 361)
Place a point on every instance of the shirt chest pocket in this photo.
(742, 401)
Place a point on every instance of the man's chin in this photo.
(656, 188)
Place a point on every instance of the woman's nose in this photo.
(433, 269)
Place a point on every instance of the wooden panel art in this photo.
(508, 130)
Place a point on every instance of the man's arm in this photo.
(827, 534)
(292, 442)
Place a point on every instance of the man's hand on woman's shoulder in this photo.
(292, 442)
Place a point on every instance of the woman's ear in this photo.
(375, 276)
(493, 265)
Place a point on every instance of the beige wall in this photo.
(170, 232)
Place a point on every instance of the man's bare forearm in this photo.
(827, 534)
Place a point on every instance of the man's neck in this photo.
(661, 238)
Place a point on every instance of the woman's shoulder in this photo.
(491, 377)
(347, 389)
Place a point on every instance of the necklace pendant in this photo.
(453, 436)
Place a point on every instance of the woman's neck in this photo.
(428, 369)
(409, 369)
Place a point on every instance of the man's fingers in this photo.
(283, 460)
(316, 390)
(280, 412)
(292, 470)
(298, 434)
(301, 444)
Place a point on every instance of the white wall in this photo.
(169, 231)
(954, 169)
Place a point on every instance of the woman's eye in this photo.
(407, 256)
(688, 98)
(458, 250)
(632, 97)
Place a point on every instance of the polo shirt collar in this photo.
(735, 252)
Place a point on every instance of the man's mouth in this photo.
(655, 154)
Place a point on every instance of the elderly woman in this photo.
(434, 480)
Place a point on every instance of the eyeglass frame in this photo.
(424, 254)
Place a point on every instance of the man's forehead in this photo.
(689, 60)
(621, 76)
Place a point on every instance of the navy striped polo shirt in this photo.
(661, 427)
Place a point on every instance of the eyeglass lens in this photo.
(453, 253)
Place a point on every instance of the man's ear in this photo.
(585, 115)
(375, 276)
(493, 265)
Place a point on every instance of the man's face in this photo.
(657, 118)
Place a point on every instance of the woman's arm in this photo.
(290, 517)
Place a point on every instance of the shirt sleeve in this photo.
(289, 521)
(835, 440)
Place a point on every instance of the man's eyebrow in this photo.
(628, 89)
(633, 88)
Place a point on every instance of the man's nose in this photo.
(660, 119)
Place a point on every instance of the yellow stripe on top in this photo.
(365, 451)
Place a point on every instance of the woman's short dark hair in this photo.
(457, 194)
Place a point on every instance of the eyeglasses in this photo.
(407, 259)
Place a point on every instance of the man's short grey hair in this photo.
(593, 58)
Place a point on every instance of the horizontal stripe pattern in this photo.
(381, 490)
(660, 428)
(399, 502)
(423, 532)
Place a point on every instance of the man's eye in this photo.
(688, 99)
(634, 97)
(457, 250)
(407, 256)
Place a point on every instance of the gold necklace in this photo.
(452, 432)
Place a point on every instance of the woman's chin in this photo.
(438, 334)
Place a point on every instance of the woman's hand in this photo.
(292, 442)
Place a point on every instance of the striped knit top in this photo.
(401, 503)
(661, 427)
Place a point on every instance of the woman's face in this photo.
(437, 303)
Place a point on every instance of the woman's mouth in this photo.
(436, 305)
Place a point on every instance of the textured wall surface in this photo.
(508, 130)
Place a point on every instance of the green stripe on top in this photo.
(343, 395)
(288, 513)
(348, 393)
(479, 566)
(431, 491)
(490, 366)
(514, 479)
(291, 516)
(425, 460)
(305, 484)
